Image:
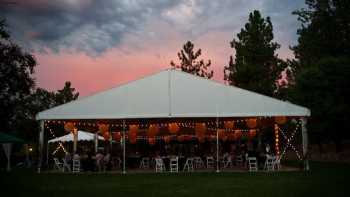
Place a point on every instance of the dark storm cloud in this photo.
(93, 26)
(88, 25)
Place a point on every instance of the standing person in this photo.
(107, 161)
(99, 161)
(267, 148)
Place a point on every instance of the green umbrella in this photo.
(5, 138)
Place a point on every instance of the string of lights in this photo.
(289, 141)
(183, 124)
(60, 145)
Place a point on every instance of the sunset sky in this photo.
(99, 44)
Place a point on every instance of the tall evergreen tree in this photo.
(322, 75)
(189, 63)
(256, 66)
(325, 30)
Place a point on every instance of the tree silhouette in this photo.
(66, 95)
(189, 63)
(256, 67)
(322, 72)
(16, 69)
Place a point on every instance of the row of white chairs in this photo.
(190, 164)
(197, 162)
(65, 166)
(272, 163)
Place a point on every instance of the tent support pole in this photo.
(305, 143)
(75, 140)
(41, 144)
(96, 142)
(124, 127)
(217, 144)
(47, 154)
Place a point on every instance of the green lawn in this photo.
(325, 179)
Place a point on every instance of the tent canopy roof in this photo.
(172, 94)
(82, 136)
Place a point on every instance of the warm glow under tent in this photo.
(173, 93)
(82, 136)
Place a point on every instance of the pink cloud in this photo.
(132, 59)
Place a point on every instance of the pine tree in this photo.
(323, 70)
(256, 66)
(190, 64)
(325, 31)
(66, 95)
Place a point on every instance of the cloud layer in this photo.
(94, 26)
(131, 38)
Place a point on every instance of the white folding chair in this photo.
(66, 166)
(252, 164)
(76, 165)
(277, 163)
(188, 165)
(210, 162)
(174, 164)
(198, 162)
(159, 165)
(269, 162)
(58, 165)
(144, 164)
(228, 162)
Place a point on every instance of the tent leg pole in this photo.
(41, 144)
(217, 145)
(305, 143)
(96, 142)
(75, 138)
(47, 154)
(124, 171)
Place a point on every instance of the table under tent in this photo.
(172, 105)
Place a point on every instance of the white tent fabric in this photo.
(173, 94)
(82, 136)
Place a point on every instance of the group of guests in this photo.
(91, 162)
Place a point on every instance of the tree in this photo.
(38, 101)
(256, 67)
(190, 64)
(66, 95)
(323, 87)
(325, 30)
(322, 73)
(16, 69)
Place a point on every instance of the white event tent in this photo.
(173, 94)
(82, 136)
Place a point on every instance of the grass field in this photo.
(325, 179)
